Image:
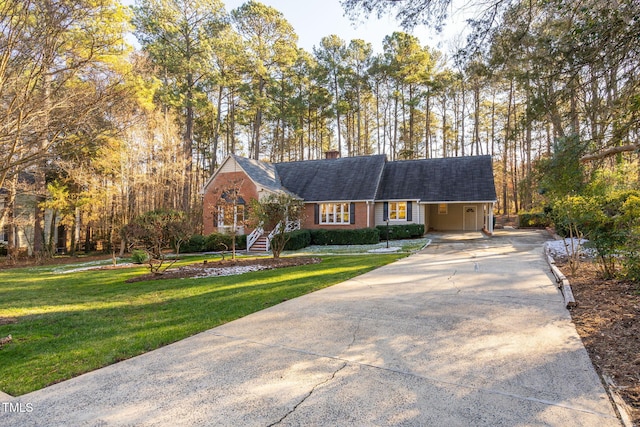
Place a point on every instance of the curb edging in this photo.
(561, 280)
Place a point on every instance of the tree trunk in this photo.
(40, 184)
(476, 119)
(216, 132)
(505, 154)
(427, 127)
(188, 146)
(462, 117)
(337, 100)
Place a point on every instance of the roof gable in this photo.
(348, 178)
(449, 179)
(262, 174)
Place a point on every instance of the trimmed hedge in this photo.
(194, 244)
(298, 239)
(360, 236)
(404, 231)
(216, 242)
(533, 220)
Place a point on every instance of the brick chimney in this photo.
(331, 154)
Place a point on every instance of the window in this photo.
(334, 213)
(397, 211)
(223, 218)
(443, 209)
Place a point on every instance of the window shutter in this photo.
(352, 213)
(409, 212)
(385, 211)
(316, 214)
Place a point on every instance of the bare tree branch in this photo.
(610, 152)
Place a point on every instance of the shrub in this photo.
(241, 241)
(139, 257)
(156, 231)
(216, 242)
(194, 244)
(298, 239)
(360, 236)
(533, 220)
(404, 231)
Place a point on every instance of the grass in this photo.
(70, 321)
(406, 245)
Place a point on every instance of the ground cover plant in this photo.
(65, 320)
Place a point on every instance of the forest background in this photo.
(98, 131)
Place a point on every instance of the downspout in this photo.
(368, 214)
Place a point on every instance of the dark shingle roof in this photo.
(262, 173)
(349, 178)
(451, 179)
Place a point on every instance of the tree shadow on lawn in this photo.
(50, 347)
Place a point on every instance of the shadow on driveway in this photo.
(466, 332)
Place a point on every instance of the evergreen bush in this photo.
(139, 257)
(533, 220)
(298, 239)
(194, 244)
(398, 232)
(216, 242)
(360, 236)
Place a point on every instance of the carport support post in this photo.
(490, 218)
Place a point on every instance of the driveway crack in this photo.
(355, 333)
(453, 282)
(333, 375)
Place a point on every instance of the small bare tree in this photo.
(229, 210)
(154, 232)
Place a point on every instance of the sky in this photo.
(314, 19)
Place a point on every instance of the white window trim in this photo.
(239, 222)
(397, 210)
(446, 209)
(336, 213)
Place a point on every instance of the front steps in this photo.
(259, 245)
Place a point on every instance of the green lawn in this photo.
(71, 321)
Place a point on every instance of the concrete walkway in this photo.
(465, 333)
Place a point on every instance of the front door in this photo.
(470, 218)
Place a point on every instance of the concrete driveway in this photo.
(465, 333)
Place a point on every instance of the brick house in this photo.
(456, 193)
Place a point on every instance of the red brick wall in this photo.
(248, 191)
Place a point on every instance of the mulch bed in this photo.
(607, 318)
(204, 268)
